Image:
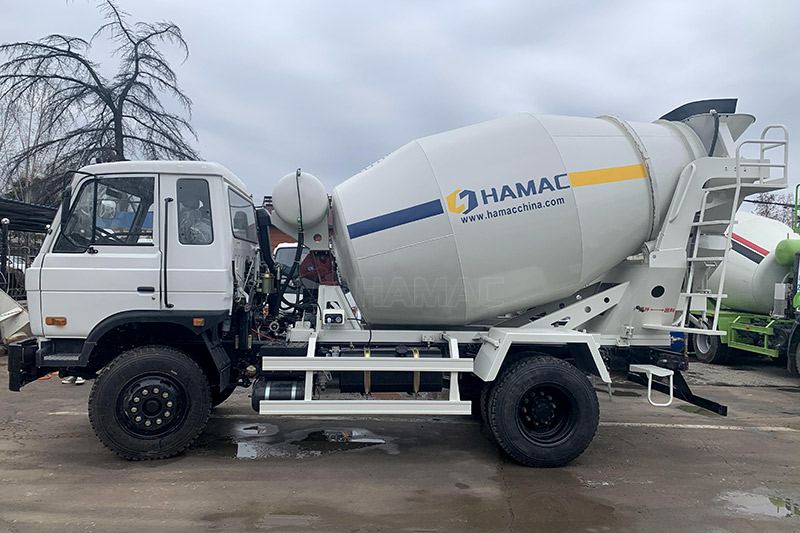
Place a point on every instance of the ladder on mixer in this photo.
(705, 264)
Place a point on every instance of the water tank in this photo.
(466, 225)
(753, 268)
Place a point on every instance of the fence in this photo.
(22, 230)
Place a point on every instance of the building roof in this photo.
(26, 217)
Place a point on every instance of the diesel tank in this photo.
(475, 223)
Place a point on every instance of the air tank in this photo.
(471, 224)
(753, 266)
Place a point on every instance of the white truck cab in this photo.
(139, 242)
(141, 237)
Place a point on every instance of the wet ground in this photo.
(648, 469)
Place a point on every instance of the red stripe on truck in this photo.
(753, 246)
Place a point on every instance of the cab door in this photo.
(107, 260)
(196, 244)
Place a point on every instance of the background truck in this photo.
(759, 314)
(497, 265)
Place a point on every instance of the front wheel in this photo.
(543, 411)
(150, 402)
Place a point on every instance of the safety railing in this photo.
(765, 145)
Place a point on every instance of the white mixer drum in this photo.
(501, 216)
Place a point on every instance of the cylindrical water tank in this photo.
(504, 215)
(753, 269)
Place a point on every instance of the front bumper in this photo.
(22, 367)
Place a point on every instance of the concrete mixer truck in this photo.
(497, 268)
(759, 313)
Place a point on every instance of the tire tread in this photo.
(492, 413)
(122, 359)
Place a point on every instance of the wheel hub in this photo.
(546, 413)
(152, 405)
(539, 409)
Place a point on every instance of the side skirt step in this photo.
(681, 391)
(364, 407)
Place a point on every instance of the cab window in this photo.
(243, 217)
(194, 212)
(110, 212)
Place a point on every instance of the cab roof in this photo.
(195, 168)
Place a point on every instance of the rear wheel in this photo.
(543, 412)
(793, 360)
(486, 392)
(709, 349)
(151, 402)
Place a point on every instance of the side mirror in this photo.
(65, 198)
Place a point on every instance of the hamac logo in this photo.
(454, 206)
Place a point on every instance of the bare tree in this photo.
(21, 128)
(775, 205)
(85, 116)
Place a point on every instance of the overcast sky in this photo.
(332, 86)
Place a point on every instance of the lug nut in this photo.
(158, 421)
(135, 399)
(155, 390)
(169, 404)
(166, 414)
(133, 409)
(145, 392)
(138, 418)
(165, 395)
(147, 423)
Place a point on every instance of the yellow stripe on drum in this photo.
(607, 175)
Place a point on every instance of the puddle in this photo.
(761, 505)
(694, 409)
(265, 441)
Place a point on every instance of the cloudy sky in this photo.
(332, 86)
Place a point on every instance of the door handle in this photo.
(145, 289)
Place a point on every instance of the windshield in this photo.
(112, 212)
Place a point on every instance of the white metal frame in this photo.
(650, 371)
(713, 175)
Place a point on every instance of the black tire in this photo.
(793, 361)
(709, 349)
(543, 412)
(486, 392)
(219, 396)
(150, 402)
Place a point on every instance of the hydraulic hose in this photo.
(300, 235)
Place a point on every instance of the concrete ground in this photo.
(648, 469)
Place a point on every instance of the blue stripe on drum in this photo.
(395, 218)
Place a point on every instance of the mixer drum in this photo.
(498, 217)
(753, 270)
